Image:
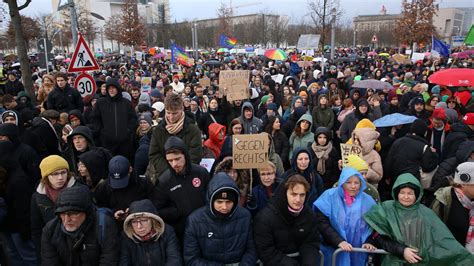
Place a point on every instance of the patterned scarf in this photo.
(468, 204)
(322, 153)
(175, 128)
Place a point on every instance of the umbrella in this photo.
(372, 53)
(469, 52)
(275, 54)
(460, 55)
(453, 77)
(384, 54)
(373, 84)
(10, 57)
(213, 62)
(67, 60)
(222, 50)
(249, 49)
(59, 57)
(395, 119)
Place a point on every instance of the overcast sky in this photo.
(296, 9)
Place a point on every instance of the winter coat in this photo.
(190, 134)
(262, 196)
(242, 180)
(278, 233)
(141, 155)
(64, 100)
(408, 155)
(252, 126)
(42, 211)
(114, 117)
(282, 146)
(71, 154)
(214, 240)
(43, 138)
(332, 163)
(416, 226)
(333, 211)
(368, 138)
(180, 194)
(323, 116)
(304, 140)
(220, 117)
(290, 125)
(13, 87)
(59, 248)
(460, 132)
(213, 142)
(351, 120)
(161, 249)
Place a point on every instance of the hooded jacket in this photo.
(331, 164)
(368, 138)
(242, 181)
(323, 116)
(416, 226)
(114, 117)
(459, 133)
(351, 120)
(97, 163)
(161, 249)
(180, 194)
(213, 142)
(278, 233)
(71, 154)
(303, 141)
(340, 222)
(64, 100)
(14, 87)
(252, 126)
(214, 240)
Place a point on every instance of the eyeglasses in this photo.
(55, 174)
(136, 222)
(70, 214)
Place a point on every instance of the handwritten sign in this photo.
(278, 78)
(205, 82)
(348, 149)
(146, 84)
(249, 151)
(236, 82)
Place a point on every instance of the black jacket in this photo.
(42, 137)
(65, 100)
(180, 194)
(282, 146)
(114, 117)
(231, 238)
(460, 132)
(13, 87)
(71, 154)
(97, 164)
(278, 233)
(141, 155)
(59, 248)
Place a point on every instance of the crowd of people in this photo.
(118, 180)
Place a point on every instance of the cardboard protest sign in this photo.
(236, 83)
(348, 149)
(146, 85)
(205, 82)
(278, 78)
(249, 151)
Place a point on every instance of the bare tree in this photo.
(85, 24)
(225, 27)
(278, 28)
(110, 30)
(416, 24)
(320, 11)
(131, 29)
(30, 30)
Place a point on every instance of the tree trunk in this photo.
(22, 50)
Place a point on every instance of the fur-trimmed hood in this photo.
(143, 208)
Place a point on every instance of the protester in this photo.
(63, 98)
(325, 156)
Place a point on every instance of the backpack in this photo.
(101, 220)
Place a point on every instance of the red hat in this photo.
(439, 113)
(175, 76)
(468, 119)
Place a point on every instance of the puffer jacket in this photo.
(367, 139)
(161, 249)
(214, 240)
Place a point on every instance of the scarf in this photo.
(173, 129)
(468, 204)
(322, 153)
(295, 212)
(348, 199)
(52, 193)
(150, 236)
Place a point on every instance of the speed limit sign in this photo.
(86, 86)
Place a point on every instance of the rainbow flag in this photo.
(179, 55)
(227, 42)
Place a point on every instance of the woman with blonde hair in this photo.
(47, 85)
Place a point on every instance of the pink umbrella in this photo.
(372, 53)
(67, 60)
(461, 55)
(469, 52)
(159, 55)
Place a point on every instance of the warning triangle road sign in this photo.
(83, 59)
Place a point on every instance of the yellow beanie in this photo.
(357, 163)
(51, 164)
(365, 123)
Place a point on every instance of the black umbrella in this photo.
(213, 62)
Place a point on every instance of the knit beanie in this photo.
(439, 113)
(436, 90)
(147, 118)
(357, 163)
(444, 98)
(419, 128)
(51, 164)
(365, 123)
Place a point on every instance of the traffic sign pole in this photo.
(46, 55)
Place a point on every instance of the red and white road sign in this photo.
(86, 86)
(374, 39)
(83, 59)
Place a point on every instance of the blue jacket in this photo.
(261, 197)
(213, 240)
(141, 155)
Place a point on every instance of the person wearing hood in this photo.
(241, 178)
(24, 114)
(417, 108)
(285, 231)
(212, 146)
(79, 234)
(362, 110)
(216, 113)
(93, 167)
(411, 232)
(296, 102)
(323, 115)
(291, 123)
(64, 98)
(302, 135)
(181, 187)
(333, 208)
(79, 141)
(251, 124)
(22, 153)
(55, 177)
(24, 98)
(302, 164)
(115, 120)
(146, 239)
(13, 86)
(410, 153)
(460, 132)
(407, 98)
(220, 233)
(325, 156)
(76, 118)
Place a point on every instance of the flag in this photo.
(439, 48)
(227, 42)
(470, 37)
(179, 55)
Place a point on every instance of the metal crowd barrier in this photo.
(294, 255)
(363, 250)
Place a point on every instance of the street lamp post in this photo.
(333, 32)
(354, 40)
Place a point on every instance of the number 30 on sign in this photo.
(86, 86)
